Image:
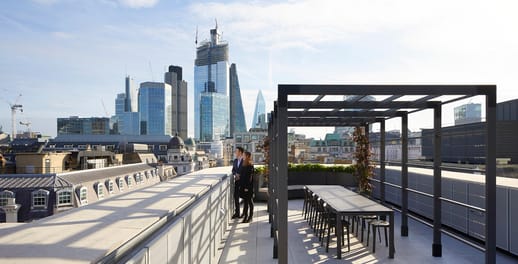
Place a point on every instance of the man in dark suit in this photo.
(236, 166)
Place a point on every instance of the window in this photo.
(68, 146)
(4, 196)
(100, 190)
(64, 197)
(40, 198)
(81, 146)
(47, 166)
(162, 147)
(121, 184)
(83, 195)
(110, 186)
(129, 180)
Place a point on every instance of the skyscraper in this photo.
(178, 100)
(120, 104)
(131, 96)
(211, 75)
(259, 120)
(213, 124)
(155, 108)
(345, 131)
(237, 114)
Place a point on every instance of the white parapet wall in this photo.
(181, 220)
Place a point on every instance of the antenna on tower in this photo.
(196, 39)
(215, 19)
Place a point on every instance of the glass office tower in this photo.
(213, 116)
(211, 75)
(155, 108)
(120, 103)
(128, 123)
(237, 114)
(179, 100)
(75, 125)
(260, 112)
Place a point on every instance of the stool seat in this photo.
(379, 223)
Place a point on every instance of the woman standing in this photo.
(247, 186)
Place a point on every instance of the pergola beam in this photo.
(379, 89)
(361, 105)
(344, 114)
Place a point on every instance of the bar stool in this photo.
(313, 212)
(363, 219)
(330, 222)
(305, 205)
(377, 224)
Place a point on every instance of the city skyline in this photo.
(84, 49)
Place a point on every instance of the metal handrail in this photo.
(476, 208)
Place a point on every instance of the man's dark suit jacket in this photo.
(235, 169)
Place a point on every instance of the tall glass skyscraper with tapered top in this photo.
(260, 112)
(211, 75)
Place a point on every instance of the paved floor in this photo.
(251, 243)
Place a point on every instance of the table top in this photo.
(344, 200)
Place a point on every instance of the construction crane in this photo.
(28, 125)
(104, 107)
(15, 107)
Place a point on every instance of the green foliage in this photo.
(321, 168)
(260, 170)
(364, 170)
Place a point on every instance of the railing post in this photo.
(382, 161)
(404, 175)
(491, 176)
(437, 187)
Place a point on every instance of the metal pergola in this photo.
(356, 112)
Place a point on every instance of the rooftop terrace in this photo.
(251, 243)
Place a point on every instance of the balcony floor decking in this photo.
(251, 243)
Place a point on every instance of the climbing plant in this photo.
(364, 170)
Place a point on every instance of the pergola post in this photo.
(282, 194)
(275, 190)
(437, 187)
(382, 161)
(491, 176)
(270, 171)
(404, 175)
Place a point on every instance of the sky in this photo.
(69, 57)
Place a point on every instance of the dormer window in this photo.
(40, 199)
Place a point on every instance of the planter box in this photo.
(297, 179)
(321, 178)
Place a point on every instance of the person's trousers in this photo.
(236, 199)
(249, 204)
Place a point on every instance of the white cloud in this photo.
(138, 3)
(46, 2)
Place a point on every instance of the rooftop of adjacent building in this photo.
(88, 233)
